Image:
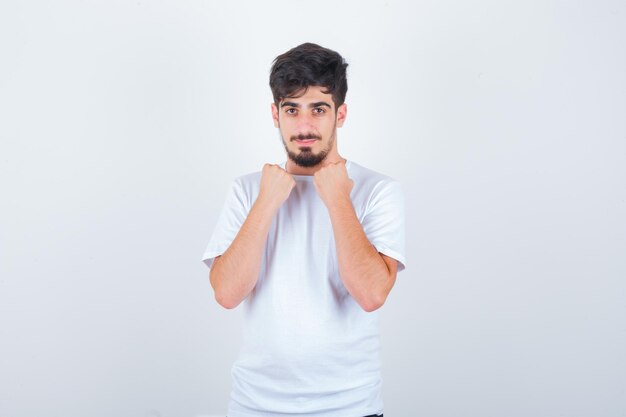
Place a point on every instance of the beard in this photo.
(306, 158)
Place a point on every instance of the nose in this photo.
(306, 121)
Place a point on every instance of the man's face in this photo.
(308, 126)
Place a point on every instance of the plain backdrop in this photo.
(122, 124)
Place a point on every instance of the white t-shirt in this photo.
(309, 349)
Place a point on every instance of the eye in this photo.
(319, 110)
(291, 111)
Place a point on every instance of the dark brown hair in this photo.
(309, 65)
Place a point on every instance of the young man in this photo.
(313, 246)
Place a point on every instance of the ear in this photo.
(342, 112)
(275, 115)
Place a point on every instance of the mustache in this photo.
(305, 137)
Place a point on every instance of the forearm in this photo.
(362, 269)
(234, 274)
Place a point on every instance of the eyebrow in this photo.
(311, 105)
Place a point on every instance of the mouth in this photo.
(306, 142)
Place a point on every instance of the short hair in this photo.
(309, 65)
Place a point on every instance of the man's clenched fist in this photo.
(276, 185)
(333, 184)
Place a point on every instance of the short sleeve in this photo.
(234, 213)
(384, 220)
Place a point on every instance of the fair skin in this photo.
(367, 274)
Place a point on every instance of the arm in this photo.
(367, 274)
(233, 275)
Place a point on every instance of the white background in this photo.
(123, 122)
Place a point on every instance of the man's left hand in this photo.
(333, 184)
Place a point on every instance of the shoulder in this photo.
(246, 186)
(250, 178)
(373, 190)
(371, 180)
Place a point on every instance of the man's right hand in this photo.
(276, 185)
(237, 271)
